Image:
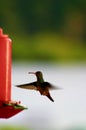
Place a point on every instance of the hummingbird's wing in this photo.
(50, 86)
(28, 86)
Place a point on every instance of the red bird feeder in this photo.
(8, 108)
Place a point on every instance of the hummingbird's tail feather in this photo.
(50, 97)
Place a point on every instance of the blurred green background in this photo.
(12, 127)
(46, 30)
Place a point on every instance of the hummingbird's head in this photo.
(38, 74)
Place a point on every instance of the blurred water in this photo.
(69, 108)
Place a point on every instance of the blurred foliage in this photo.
(48, 47)
(76, 128)
(46, 30)
(10, 127)
(32, 16)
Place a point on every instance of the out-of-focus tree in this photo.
(32, 16)
(57, 26)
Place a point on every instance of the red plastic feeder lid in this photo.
(9, 109)
(1, 33)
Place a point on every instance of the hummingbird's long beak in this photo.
(31, 73)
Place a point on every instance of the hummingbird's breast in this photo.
(39, 88)
(42, 89)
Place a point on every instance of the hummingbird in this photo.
(39, 85)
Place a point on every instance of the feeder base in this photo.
(9, 110)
